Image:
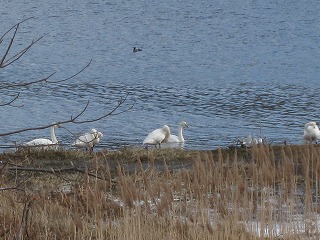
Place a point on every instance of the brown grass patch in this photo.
(262, 192)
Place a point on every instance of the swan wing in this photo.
(88, 139)
(79, 143)
(310, 131)
(85, 140)
(307, 135)
(155, 137)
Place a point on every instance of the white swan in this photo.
(249, 141)
(43, 142)
(88, 140)
(178, 139)
(311, 132)
(157, 136)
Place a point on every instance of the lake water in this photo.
(227, 68)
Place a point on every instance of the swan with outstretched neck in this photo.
(178, 139)
(311, 132)
(158, 136)
(44, 141)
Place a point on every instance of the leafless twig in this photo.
(24, 84)
(110, 113)
(24, 219)
(46, 126)
(54, 171)
(5, 60)
(10, 102)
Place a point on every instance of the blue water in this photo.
(229, 69)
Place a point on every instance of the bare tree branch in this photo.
(74, 75)
(24, 219)
(53, 171)
(17, 56)
(10, 102)
(10, 188)
(111, 113)
(23, 84)
(5, 60)
(72, 119)
(14, 27)
(8, 48)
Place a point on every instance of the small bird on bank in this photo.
(311, 132)
(136, 49)
(158, 136)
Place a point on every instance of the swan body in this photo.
(311, 132)
(88, 140)
(249, 141)
(158, 136)
(44, 142)
(178, 139)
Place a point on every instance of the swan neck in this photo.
(180, 136)
(317, 132)
(167, 133)
(53, 135)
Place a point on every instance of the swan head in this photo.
(93, 131)
(96, 134)
(183, 124)
(99, 135)
(311, 124)
(55, 125)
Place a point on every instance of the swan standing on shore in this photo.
(178, 139)
(88, 140)
(311, 132)
(43, 142)
(157, 136)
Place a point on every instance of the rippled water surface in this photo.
(228, 69)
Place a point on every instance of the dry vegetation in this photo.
(259, 193)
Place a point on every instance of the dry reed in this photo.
(261, 192)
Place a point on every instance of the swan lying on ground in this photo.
(178, 139)
(88, 140)
(157, 136)
(44, 142)
(311, 132)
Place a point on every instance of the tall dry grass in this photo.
(259, 193)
